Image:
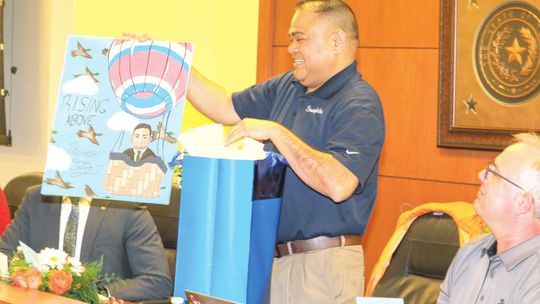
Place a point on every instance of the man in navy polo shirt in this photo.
(328, 123)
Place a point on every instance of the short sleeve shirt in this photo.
(343, 117)
(479, 274)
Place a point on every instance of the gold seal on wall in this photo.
(506, 53)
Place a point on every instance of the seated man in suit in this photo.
(123, 234)
(502, 267)
(140, 139)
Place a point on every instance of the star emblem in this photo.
(471, 105)
(473, 3)
(515, 51)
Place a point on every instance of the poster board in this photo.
(118, 116)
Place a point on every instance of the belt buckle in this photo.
(289, 248)
(278, 252)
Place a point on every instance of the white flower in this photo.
(50, 258)
(76, 266)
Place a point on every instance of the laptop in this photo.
(199, 298)
(362, 300)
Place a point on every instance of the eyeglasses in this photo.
(491, 168)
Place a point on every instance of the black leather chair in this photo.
(419, 264)
(166, 219)
(16, 188)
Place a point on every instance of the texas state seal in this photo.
(506, 53)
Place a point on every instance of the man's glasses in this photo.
(491, 168)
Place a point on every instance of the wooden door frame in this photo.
(265, 40)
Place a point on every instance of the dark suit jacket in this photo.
(131, 153)
(122, 233)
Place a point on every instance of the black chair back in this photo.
(419, 264)
(16, 188)
(166, 219)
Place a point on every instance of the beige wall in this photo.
(39, 28)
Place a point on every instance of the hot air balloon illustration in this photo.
(148, 79)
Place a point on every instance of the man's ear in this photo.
(525, 204)
(339, 40)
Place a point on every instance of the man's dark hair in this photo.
(340, 13)
(143, 126)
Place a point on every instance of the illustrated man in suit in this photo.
(123, 234)
(140, 139)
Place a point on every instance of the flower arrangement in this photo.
(56, 272)
(176, 164)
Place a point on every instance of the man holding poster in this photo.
(328, 123)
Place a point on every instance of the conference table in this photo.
(10, 294)
(15, 295)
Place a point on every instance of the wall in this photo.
(37, 31)
(225, 34)
(398, 54)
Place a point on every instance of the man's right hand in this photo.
(115, 301)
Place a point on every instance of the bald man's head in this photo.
(337, 11)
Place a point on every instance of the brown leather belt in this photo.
(317, 243)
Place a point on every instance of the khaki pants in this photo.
(328, 276)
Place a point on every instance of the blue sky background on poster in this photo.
(90, 124)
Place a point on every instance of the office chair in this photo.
(414, 262)
(16, 188)
(166, 220)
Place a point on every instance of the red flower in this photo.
(30, 278)
(33, 278)
(59, 281)
(18, 279)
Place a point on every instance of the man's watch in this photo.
(103, 291)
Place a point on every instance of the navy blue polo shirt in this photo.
(343, 117)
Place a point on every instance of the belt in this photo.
(317, 243)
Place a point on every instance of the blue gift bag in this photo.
(227, 231)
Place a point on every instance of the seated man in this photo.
(502, 267)
(124, 235)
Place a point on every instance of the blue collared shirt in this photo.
(343, 117)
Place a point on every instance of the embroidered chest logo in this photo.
(314, 110)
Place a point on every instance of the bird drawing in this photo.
(90, 134)
(89, 74)
(52, 141)
(81, 51)
(58, 181)
(89, 191)
(161, 134)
